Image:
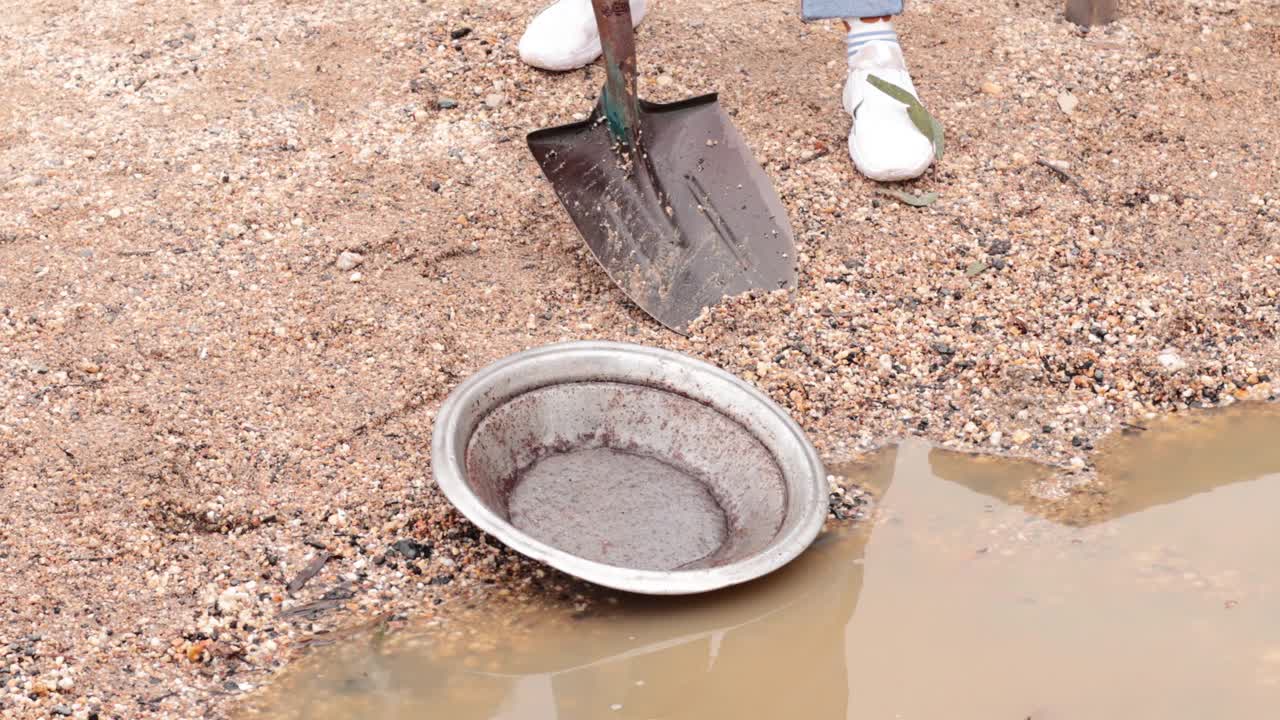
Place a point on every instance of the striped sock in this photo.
(863, 34)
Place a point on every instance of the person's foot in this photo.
(883, 142)
(564, 36)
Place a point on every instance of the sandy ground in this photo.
(197, 400)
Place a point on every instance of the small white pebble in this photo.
(1170, 360)
(349, 260)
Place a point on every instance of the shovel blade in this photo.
(681, 220)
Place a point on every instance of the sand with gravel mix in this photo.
(201, 396)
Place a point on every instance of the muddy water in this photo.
(959, 601)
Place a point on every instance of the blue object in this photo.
(827, 9)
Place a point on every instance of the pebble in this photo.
(114, 213)
(27, 181)
(1020, 436)
(446, 103)
(665, 80)
(990, 88)
(357, 276)
(411, 549)
(231, 600)
(1067, 102)
(494, 100)
(1077, 463)
(1170, 360)
(349, 261)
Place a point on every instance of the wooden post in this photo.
(1088, 13)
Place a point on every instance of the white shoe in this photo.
(884, 144)
(564, 36)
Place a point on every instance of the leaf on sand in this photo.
(924, 200)
(926, 123)
(977, 267)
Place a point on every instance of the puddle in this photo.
(962, 600)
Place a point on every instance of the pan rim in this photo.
(802, 469)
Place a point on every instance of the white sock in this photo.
(864, 33)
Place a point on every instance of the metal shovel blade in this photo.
(668, 197)
(682, 220)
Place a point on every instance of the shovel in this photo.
(668, 197)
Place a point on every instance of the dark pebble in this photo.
(459, 33)
(1046, 429)
(999, 247)
(1077, 441)
(446, 104)
(942, 348)
(411, 549)
(998, 263)
(434, 186)
(440, 580)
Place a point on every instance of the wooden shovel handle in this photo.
(617, 37)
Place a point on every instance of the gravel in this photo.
(186, 410)
(348, 261)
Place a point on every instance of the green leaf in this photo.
(921, 119)
(926, 123)
(924, 200)
(977, 267)
(893, 91)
